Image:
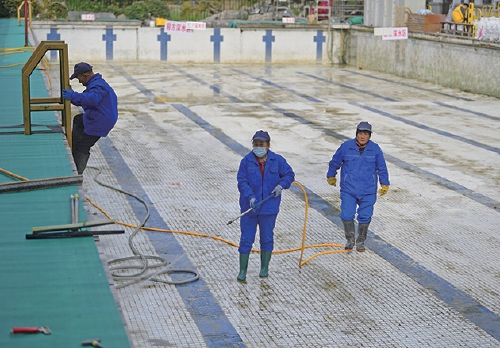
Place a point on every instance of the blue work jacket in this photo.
(359, 174)
(252, 184)
(100, 106)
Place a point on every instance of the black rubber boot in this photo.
(265, 257)
(362, 232)
(81, 160)
(242, 276)
(349, 234)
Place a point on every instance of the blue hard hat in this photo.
(364, 126)
(261, 135)
(81, 68)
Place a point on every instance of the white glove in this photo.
(253, 202)
(277, 190)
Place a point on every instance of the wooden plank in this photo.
(53, 107)
(45, 100)
(457, 29)
(430, 23)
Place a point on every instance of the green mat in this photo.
(59, 283)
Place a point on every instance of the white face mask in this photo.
(260, 151)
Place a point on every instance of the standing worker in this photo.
(363, 166)
(262, 173)
(100, 106)
(459, 13)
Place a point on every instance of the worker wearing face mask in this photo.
(262, 173)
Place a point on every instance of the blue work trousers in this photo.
(364, 205)
(249, 225)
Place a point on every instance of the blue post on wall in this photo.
(109, 37)
(269, 39)
(53, 36)
(216, 38)
(319, 39)
(164, 38)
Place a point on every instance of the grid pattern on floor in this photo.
(185, 152)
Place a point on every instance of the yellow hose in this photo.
(23, 49)
(43, 65)
(7, 51)
(13, 175)
(304, 233)
(204, 235)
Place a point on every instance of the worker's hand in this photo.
(383, 190)
(253, 202)
(67, 93)
(332, 181)
(277, 190)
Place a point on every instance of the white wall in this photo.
(462, 63)
(466, 64)
(135, 43)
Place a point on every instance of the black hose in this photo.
(141, 276)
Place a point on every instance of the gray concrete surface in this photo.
(431, 273)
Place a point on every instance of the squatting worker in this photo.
(362, 166)
(262, 173)
(100, 106)
(460, 13)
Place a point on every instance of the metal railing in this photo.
(50, 103)
(27, 15)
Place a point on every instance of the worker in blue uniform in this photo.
(100, 105)
(262, 173)
(362, 166)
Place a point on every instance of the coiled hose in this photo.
(141, 275)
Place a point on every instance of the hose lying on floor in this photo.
(141, 275)
(204, 235)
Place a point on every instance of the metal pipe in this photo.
(257, 206)
(72, 234)
(72, 199)
(76, 208)
(26, 44)
(41, 184)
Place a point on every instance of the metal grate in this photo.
(342, 10)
